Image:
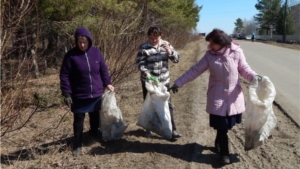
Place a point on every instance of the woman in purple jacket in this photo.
(83, 78)
(225, 101)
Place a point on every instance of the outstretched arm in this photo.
(244, 68)
(193, 72)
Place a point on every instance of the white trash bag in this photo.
(259, 115)
(155, 114)
(111, 120)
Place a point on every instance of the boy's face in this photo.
(154, 39)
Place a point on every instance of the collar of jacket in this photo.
(225, 51)
(221, 52)
(80, 51)
(159, 43)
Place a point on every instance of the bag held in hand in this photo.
(155, 114)
(111, 120)
(259, 115)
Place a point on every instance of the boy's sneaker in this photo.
(224, 160)
(175, 134)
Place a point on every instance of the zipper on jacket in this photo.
(91, 82)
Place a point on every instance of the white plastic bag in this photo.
(111, 121)
(155, 114)
(259, 115)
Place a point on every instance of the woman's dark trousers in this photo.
(78, 126)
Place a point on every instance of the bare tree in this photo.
(13, 15)
(249, 26)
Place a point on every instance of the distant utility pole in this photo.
(285, 14)
(271, 30)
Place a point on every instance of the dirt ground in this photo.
(28, 148)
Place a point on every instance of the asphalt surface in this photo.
(282, 66)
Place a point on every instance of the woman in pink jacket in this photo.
(225, 60)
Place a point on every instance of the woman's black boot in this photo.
(217, 143)
(77, 144)
(223, 142)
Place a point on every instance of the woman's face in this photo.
(83, 44)
(214, 46)
(154, 40)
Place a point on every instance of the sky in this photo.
(223, 14)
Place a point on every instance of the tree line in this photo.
(35, 35)
(273, 15)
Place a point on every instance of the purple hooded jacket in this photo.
(84, 74)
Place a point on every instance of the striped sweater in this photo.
(154, 61)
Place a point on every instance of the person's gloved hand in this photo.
(153, 78)
(255, 80)
(174, 88)
(259, 77)
(68, 100)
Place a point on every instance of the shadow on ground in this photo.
(191, 152)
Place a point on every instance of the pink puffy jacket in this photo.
(224, 94)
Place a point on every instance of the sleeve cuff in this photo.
(171, 53)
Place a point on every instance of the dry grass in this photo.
(285, 45)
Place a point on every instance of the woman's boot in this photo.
(77, 144)
(224, 154)
(217, 143)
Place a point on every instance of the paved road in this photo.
(282, 66)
